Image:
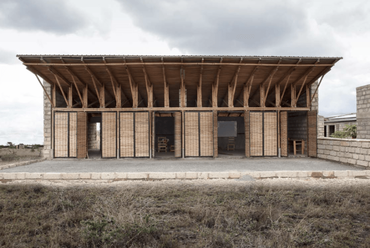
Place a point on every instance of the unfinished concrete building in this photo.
(179, 106)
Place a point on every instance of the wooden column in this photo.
(70, 97)
(215, 134)
(102, 96)
(54, 95)
(183, 133)
(118, 97)
(308, 96)
(277, 95)
(177, 136)
(215, 88)
(182, 89)
(262, 96)
(293, 96)
(85, 96)
(199, 92)
(246, 96)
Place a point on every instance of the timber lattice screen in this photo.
(199, 130)
(109, 134)
(126, 134)
(263, 134)
(142, 134)
(284, 133)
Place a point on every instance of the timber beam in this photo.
(148, 86)
(199, 87)
(215, 86)
(166, 87)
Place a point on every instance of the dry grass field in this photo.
(186, 214)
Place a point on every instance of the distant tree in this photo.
(348, 131)
(10, 143)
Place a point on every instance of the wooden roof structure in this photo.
(136, 81)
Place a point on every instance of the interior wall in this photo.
(297, 127)
(239, 140)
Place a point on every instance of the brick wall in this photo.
(349, 151)
(363, 112)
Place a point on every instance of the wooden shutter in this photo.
(109, 134)
(177, 142)
(81, 135)
(215, 134)
(73, 134)
(141, 134)
(206, 134)
(126, 134)
(191, 134)
(256, 136)
(270, 133)
(61, 135)
(284, 133)
(312, 133)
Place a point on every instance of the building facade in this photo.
(178, 106)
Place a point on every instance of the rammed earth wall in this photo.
(349, 151)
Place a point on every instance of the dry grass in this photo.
(184, 215)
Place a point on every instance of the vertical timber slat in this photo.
(284, 133)
(81, 135)
(256, 135)
(109, 136)
(126, 134)
(206, 134)
(247, 133)
(177, 117)
(191, 134)
(312, 133)
(270, 134)
(73, 134)
(142, 141)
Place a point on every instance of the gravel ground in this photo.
(216, 182)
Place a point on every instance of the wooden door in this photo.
(126, 134)
(109, 134)
(61, 135)
(191, 134)
(81, 135)
(142, 143)
(256, 135)
(206, 133)
(270, 134)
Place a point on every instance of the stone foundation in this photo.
(349, 151)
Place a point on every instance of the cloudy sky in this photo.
(234, 27)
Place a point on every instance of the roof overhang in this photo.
(200, 75)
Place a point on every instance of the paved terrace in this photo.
(181, 165)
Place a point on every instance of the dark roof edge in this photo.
(176, 56)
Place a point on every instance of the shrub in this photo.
(348, 131)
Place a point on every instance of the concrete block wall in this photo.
(320, 126)
(363, 112)
(93, 137)
(349, 151)
(315, 100)
(47, 152)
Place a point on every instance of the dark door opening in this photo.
(167, 138)
(94, 136)
(231, 134)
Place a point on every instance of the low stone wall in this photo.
(349, 151)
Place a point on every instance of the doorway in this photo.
(167, 135)
(231, 134)
(94, 136)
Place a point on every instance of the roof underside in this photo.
(239, 72)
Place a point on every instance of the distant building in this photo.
(338, 123)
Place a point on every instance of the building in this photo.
(179, 106)
(338, 123)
